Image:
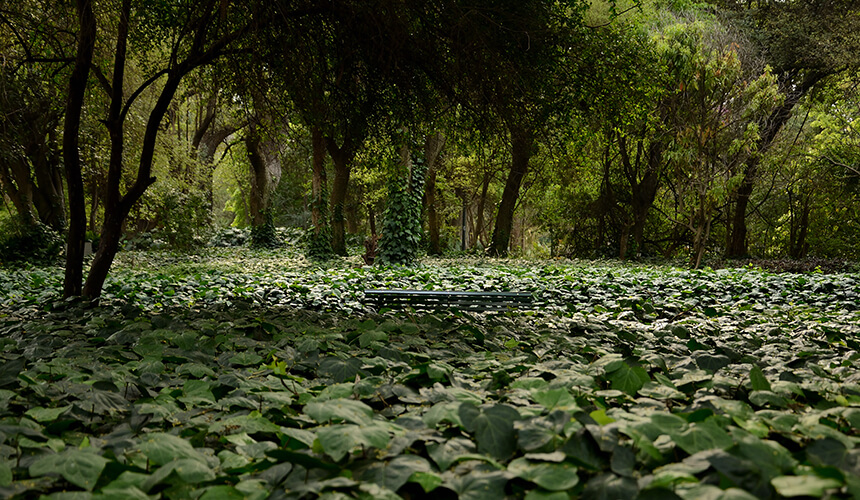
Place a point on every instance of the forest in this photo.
(198, 196)
(657, 130)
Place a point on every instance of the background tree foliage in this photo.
(683, 130)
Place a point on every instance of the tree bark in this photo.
(433, 144)
(259, 179)
(522, 149)
(72, 283)
(737, 245)
(482, 204)
(200, 54)
(800, 230)
(48, 194)
(342, 160)
(318, 182)
(19, 190)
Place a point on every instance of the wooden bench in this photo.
(435, 299)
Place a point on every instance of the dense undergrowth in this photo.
(269, 378)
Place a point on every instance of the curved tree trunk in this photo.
(522, 148)
(72, 283)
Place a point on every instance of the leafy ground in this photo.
(269, 378)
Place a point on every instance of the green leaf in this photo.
(125, 493)
(540, 431)
(339, 440)
(479, 485)
(610, 486)
(340, 370)
(5, 474)
(702, 436)
(555, 398)
(186, 470)
(249, 424)
(767, 398)
(804, 486)
(627, 379)
(222, 492)
(396, 472)
(493, 428)
(428, 481)
(40, 414)
(9, 370)
(305, 460)
(79, 467)
(446, 453)
(367, 338)
(197, 392)
(162, 448)
(539, 494)
(550, 476)
(758, 380)
(246, 358)
(346, 410)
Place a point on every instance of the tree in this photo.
(805, 42)
(714, 126)
(33, 77)
(199, 33)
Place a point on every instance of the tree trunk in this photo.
(432, 147)
(482, 205)
(14, 178)
(522, 148)
(116, 213)
(432, 215)
(259, 179)
(72, 283)
(738, 237)
(115, 216)
(800, 230)
(48, 193)
(318, 183)
(342, 159)
(769, 130)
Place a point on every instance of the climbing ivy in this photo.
(265, 235)
(401, 226)
(318, 238)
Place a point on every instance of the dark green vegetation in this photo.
(228, 379)
(628, 129)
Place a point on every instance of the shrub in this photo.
(265, 235)
(33, 243)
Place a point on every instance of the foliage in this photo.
(265, 235)
(624, 382)
(32, 243)
(401, 227)
(184, 217)
(318, 239)
(230, 237)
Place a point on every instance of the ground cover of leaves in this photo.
(204, 381)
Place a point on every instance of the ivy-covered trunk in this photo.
(319, 236)
(522, 148)
(401, 225)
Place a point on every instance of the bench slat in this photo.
(442, 299)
